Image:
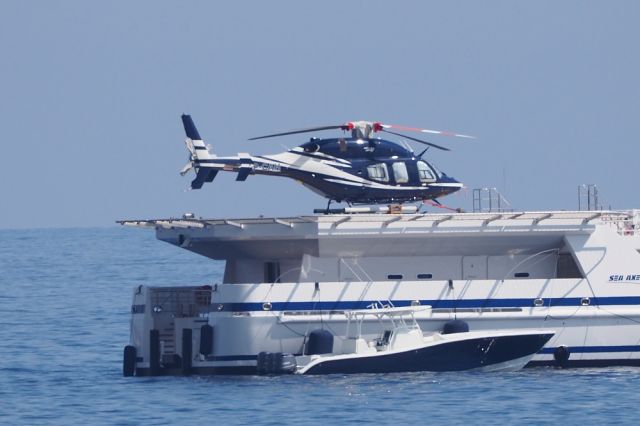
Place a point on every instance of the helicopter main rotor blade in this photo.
(416, 140)
(433, 132)
(310, 129)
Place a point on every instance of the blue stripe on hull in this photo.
(442, 303)
(232, 358)
(587, 363)
(205, 371)
(595, 349)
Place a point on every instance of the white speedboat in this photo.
(403, 347)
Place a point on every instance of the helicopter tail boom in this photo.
(198, 152)
(207, 165)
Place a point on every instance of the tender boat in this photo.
(403, 347)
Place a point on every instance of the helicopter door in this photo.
(400, 172)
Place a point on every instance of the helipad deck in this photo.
(381, 234)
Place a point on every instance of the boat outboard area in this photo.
(570, 278)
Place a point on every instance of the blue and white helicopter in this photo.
(360, 169)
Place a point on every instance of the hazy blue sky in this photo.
(91, 95)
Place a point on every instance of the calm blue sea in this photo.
(65, 296)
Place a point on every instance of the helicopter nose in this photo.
(449, 184)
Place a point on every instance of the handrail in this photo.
(435, 218)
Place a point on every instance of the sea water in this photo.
(65, 297)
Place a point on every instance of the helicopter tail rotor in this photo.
(197, 151)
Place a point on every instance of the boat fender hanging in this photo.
(154, 352)
(129, 361)
(274, 362)
(455, 326)
(561, 355)
(262, 362)
(187, 350)
(319, 342)
(206, 340)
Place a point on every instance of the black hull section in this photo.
(587, 363)
(451, 356)
(199, 371)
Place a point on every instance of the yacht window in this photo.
(271, 272)
(425, 276)
(400, 172)
(521, 275)
(378, 172)
(425, 173)
(395, 276)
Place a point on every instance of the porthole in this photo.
(425, 276)
(395, 276)
(521, 275)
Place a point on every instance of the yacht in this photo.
(575, 274)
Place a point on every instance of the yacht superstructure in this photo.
(576, 273)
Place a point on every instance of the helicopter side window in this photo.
(378, 172)
(425, 173)
(400, 172)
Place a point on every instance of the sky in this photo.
(91, 95)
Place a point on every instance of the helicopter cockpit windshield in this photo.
(438, 173)
(426, 173)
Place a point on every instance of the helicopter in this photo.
(361, 169)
